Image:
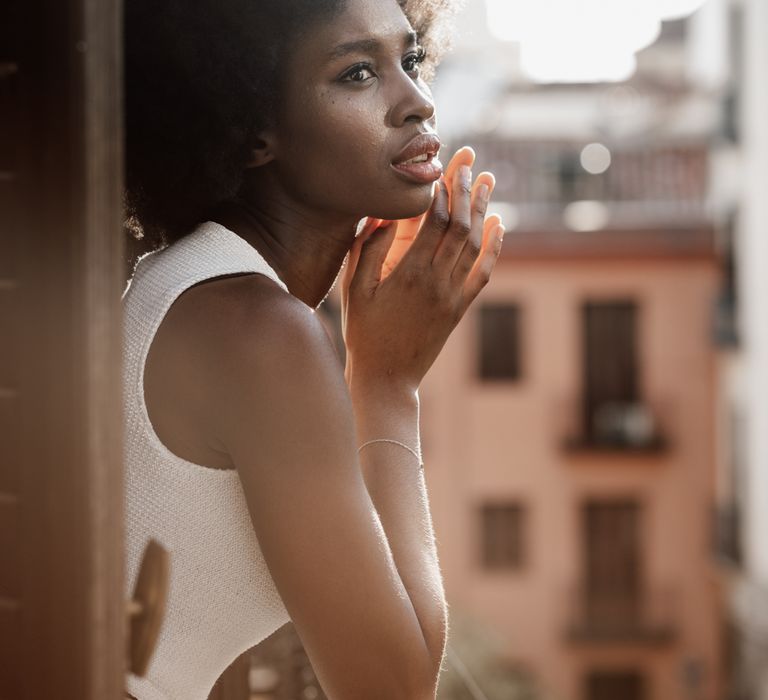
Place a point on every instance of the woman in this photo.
(258, 135)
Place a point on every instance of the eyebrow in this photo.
(369, 45)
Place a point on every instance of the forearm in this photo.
(398, 490)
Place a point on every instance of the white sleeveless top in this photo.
(222, 599)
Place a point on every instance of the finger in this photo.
(489, 224)
(481, 272)
(489, 179)
(354, 253)
(474, 245)
(370, 226)
(373, 252)
(464, 156)
(485, 178)
(432, 230)
(461, 221)
(351, 265)
(492, 221)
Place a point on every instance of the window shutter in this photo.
(499, 352)
(502, 535)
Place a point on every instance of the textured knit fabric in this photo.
(222, 599)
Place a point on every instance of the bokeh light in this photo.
(595, 158)
(586, 215)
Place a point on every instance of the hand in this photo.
(399, 306)
(408, 228)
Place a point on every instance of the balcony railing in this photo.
(646, 616)
(665, 184)
(628, 426)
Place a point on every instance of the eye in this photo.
(359, 73)
(413, 60)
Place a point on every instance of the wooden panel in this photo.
(10, 121)
(10, 346)
(10, 444)
(11, 675)
(10, 338)
(10, 571)
(60, 282)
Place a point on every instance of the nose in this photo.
(412, 101)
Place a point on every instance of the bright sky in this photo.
(582, 40)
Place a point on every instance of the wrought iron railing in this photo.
(644, 615)
(615, 426)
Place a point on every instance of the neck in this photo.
(306, 249)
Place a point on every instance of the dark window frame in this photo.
(613, 545)
(503, 534)
(615, 684)
(611, 367)
(498, 366)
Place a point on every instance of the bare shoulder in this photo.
(218, 338)
(266, 351)
(242, 305)
(243, 318)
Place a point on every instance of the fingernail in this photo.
(482, 192)
(466, 175)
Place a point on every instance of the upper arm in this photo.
(285, 416)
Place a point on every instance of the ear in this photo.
(262, 150)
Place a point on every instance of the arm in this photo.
(397, 488)
(284, 414)
(403, 292)
(351, 546)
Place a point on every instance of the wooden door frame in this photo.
(64, 627)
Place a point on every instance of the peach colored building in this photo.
(569, 436)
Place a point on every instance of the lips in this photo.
(418, 160)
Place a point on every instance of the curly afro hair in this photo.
(200, 82)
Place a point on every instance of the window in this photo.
(615, 685)
(502, 535)
(611, 391)
(612, 562)
(499, 342)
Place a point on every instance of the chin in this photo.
(404, 206)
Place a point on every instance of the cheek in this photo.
(337, 139)
(335, 155)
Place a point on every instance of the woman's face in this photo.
(352, 105)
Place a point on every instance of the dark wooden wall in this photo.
(61, 597)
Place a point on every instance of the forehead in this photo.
(373, 15)
(361, 19)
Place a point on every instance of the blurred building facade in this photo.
(571, 426)
(569, 430)
(739, 192)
